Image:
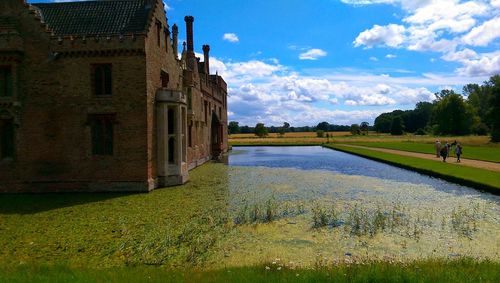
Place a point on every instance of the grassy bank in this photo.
(427, 271)
(486, 153)
(478, 178)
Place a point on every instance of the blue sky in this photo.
(341, 61)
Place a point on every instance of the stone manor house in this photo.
(94, 97)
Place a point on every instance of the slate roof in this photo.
(105, 17)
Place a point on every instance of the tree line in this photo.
(475, 111)
(261, 130)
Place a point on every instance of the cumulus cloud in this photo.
(391, 35)
(442, 26)
(312, 54)
(373, 58)
(484, 34)
(390, 56)
(231, 37)
(487, 64)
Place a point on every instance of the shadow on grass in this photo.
(34, 203)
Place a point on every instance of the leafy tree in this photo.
(234, 127)
(286, 127)
(383, 123)
(260, 130)
(355, 129)
(452, 115)
(364, 127)
(320, 133)
(494, 112)
(397, 126)
(324, 126)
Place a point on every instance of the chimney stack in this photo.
(189, 33)
(175, 33)
(206, 50)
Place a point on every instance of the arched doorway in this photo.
(216, 136)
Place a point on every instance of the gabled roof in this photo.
(105, 17)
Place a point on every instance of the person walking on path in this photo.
(458, 152)
(453, 144)
(444, 152)
(438, 148)
(447, 145)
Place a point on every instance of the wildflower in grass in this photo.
(268, 268)
(279, 268)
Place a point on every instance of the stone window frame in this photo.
(106, 84)
(104, 144)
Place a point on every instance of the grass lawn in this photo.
(466, 175)
(483, 152)
(426, 271)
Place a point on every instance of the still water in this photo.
(333, 206)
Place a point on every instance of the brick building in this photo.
(94, 97)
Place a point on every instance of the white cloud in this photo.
(460, 56)
(231, 37)
(312, 54)
(373, 58)
(487, 64)
(390, 56)
(442, 26)
(391, 35)
(484, 34)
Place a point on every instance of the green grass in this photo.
(174, 226)
(464, 270)
(479, 178)
(486, 153)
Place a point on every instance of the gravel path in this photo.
(493, 166)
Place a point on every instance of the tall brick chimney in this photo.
(189, 33)
(175, 34)
(206, 58)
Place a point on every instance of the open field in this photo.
(425, 271)
(346, 137)
(460, 174)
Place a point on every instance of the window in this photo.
(171, 121)
(190, 99)
(220, 113)
(6, 139)
(165, 78)
(206, 111)
(167, 36)
(158, 32)
(102, 79)
(5, 81)
(102, 133)
(190, 135)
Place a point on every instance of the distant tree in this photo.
(364, 128)
(383, 123)
(355, 129)
(234, 127)
(494, 111)
(246, 130)
(397, 126)
(320, 133)
(452, 115)
(260, 130)
(286, 127)
(323, 126)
